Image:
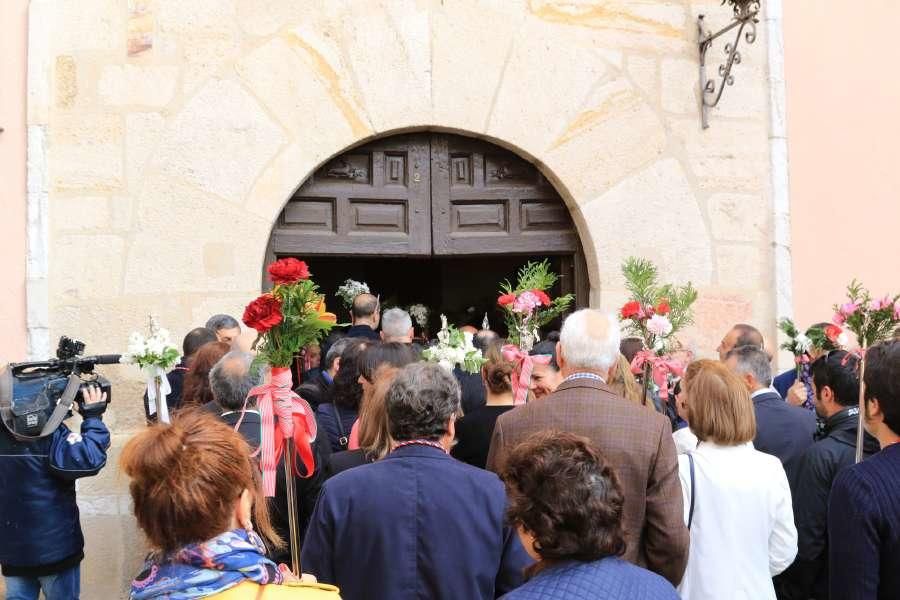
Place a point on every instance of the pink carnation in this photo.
(848, 308)
(839, 318)
(526, 302)
(880, 304)
(897, 310)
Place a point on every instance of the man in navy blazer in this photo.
(782, 430)
(416, 524)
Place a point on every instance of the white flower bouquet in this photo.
(154, 354)
(350, 290)
(419, 313)
(454, 348)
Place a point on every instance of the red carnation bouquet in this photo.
(655, 313)
(287, 319)
(527, 307)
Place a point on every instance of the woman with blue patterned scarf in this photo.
(197, 497)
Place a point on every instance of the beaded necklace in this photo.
(420, 443)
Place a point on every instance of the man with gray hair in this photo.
(230, 380)
(416, 523)
(226, 327)
(782, 430)
(636, 442)
(396, 326)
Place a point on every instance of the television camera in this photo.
(36, 396)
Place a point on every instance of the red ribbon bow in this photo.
(521, 380)
(660, 367)
(295, 421)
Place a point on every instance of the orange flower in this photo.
(324, 315)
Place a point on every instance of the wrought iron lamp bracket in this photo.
(746, 16)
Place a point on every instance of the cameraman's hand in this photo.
(94, 403)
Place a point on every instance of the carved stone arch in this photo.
(429, 193)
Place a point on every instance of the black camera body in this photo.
(31, 390)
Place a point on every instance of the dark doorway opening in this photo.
(463, 288)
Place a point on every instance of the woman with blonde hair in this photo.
(736, 499)
(197, 498)
(622, 382)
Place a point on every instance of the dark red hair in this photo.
(186, 480)
(197, 391)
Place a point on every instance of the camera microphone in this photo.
(102, 359)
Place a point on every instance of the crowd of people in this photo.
(434, 484)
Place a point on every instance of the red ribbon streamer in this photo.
(295, 421)
(660, 367)
(521, 380)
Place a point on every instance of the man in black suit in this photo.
(782, 430)
(366, 315)
(315, 390)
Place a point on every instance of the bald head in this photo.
(365, 310)
(740, 335)
(232, 378)
(589, 341)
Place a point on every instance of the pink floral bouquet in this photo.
(655, 313)
(527, 307)
(871, 320)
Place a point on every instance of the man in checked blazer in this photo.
(637, 442)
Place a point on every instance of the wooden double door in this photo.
(430, 194)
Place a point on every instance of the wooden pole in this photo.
(291, 492)
(645, 383)
(861, 429)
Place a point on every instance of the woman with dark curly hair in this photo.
(341, 407)
(566, 504)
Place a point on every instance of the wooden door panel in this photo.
(375, 199)
(487, 200)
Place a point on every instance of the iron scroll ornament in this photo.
(746, 16)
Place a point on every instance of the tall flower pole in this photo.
(287, 319)
(526, 308)
(872, 320)
(655, 313)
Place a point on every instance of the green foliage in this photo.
(532, 276)
(523, 328)
(869, 325)
(642, 282)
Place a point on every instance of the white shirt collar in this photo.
(765, 390)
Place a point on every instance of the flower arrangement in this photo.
(289, 317)
(871, 320)
(527, 307)
(805, 346)
(454, 348)
(154, 354)
(419, 313)
(350, 290)
(655, 313)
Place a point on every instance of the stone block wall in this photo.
(166, 135)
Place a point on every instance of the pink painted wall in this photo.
(13, 28)
(843, 111)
